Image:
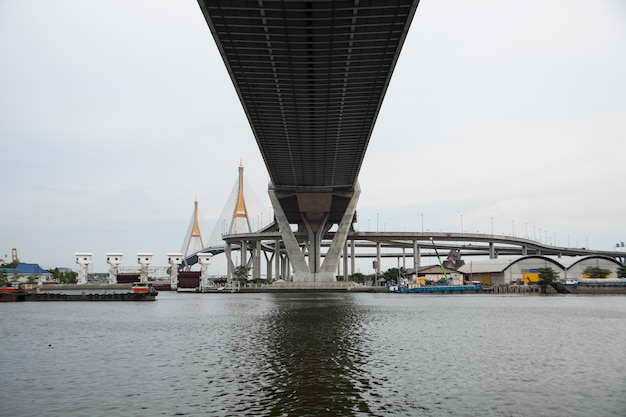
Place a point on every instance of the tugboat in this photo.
(11, 293)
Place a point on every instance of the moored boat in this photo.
(138, 291)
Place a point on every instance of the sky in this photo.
(502, 117)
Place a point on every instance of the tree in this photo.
(621, 271)
(3, 277)
(13, 264)
(241, 273)
(596, 272)
(393, 274)
(546, 277)
(67, 277)
(358, 277)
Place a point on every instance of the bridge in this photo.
(311, 77)
(240, 233)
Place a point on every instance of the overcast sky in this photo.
(116, 115)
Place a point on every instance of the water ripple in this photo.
(316, 355)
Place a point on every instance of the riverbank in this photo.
(439, 289)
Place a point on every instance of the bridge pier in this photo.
(314, 209)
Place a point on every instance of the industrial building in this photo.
(525, 269)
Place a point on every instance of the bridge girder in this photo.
(311, 77)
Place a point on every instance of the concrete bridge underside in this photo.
(311, 77)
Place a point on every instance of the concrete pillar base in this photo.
(313, 277)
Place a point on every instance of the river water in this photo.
(316, 355)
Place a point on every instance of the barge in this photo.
(138, 291)
(443, 289)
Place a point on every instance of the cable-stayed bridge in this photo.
(243, 213)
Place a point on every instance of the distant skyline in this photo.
(501, 116)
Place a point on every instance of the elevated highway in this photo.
(417, 245)
(311, 77)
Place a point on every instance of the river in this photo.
(316, 354)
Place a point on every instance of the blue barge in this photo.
(443, 289)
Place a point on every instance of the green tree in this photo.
(3, 277)
(393, 274)
(358, 277)
(596, 272)
(13, 264)
(621, 271)
(546, 277)
(241, 273)
(67, 277)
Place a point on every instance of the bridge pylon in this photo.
(193, 240)
(240, 222)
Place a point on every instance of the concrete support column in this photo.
(353, 257)
(345, 261)
(417, 256)
(314, 244)
(492, 253)
(341, 235)
(256, 260)
(277, 257)
(286, 268)
(294, 253)
(244, 253)
(377, 260)
(268, 266)
(229, 262)
(403, 258)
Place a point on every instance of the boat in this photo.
(11, 293)
(138, 291)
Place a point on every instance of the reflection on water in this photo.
(316, 355)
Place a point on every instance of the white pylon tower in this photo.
(240, 222)
(193, 242)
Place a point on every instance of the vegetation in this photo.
(358, 277)
(596, 272)
(621, 271)
(3, 277)
(393, 274)
(546, 277)
(69, 277)
(241, 273)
